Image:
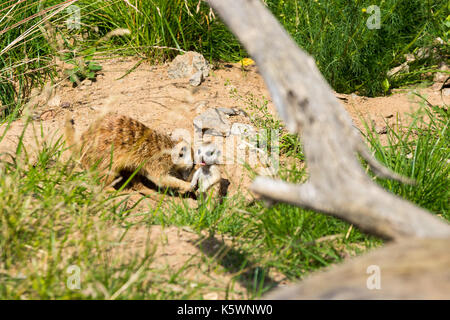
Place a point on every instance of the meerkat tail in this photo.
(69, 131)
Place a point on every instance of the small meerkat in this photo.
(117, 143)
(208, 174)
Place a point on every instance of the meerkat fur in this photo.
(115, 143)
(208, 174)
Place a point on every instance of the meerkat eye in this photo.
(210, 153)
(181, 154)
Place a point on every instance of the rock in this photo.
(188, 64)
(381, 129)
(196, 79)
(423, 53)
(211, 296)
(446, 92)
(409, 57)
(440, 77)
(54, 102)
(232, 111)
(213, 121)
(86, 82)
(438, 41)
(200, 106)
(403, 68)
(242, 129)
(65, 105)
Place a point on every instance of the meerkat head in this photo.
(182, 156)
(207, 154)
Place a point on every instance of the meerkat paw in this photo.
(193, 186)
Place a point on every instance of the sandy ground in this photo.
(148, 95)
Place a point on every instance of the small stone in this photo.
(65, 105)
(196, 79)
(409, 57)
(186, 65)
(54, 101)
(213, 121)
(211, 296)
(35, 116)
(441, 76)
(446, 92)
(232, 111)
(438, 40)
(86, 82)
(388, 116)
(423, 53)
(381, 129)
(403, 68)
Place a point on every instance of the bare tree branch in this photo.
(338, 184)
(408, 269)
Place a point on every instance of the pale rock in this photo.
(54, 101)
(86, 82)
(188, 64)
(403, 68)
(196, 79)
(211, 296)
(381, 129)
(213, 122)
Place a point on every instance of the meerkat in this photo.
(119, 143)
(208, 174)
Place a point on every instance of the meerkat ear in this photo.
(177, 140)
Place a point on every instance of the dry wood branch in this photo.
(408, 269)
(337, 185)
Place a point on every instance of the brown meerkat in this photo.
(117, 143)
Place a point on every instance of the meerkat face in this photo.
(207, 154)
(182, 156)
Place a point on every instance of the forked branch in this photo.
(338, 184)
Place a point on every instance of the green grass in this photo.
(350, 56)
(176, 24)
(159, 29)
(419, 151)
(54, 216)
(354, 57)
